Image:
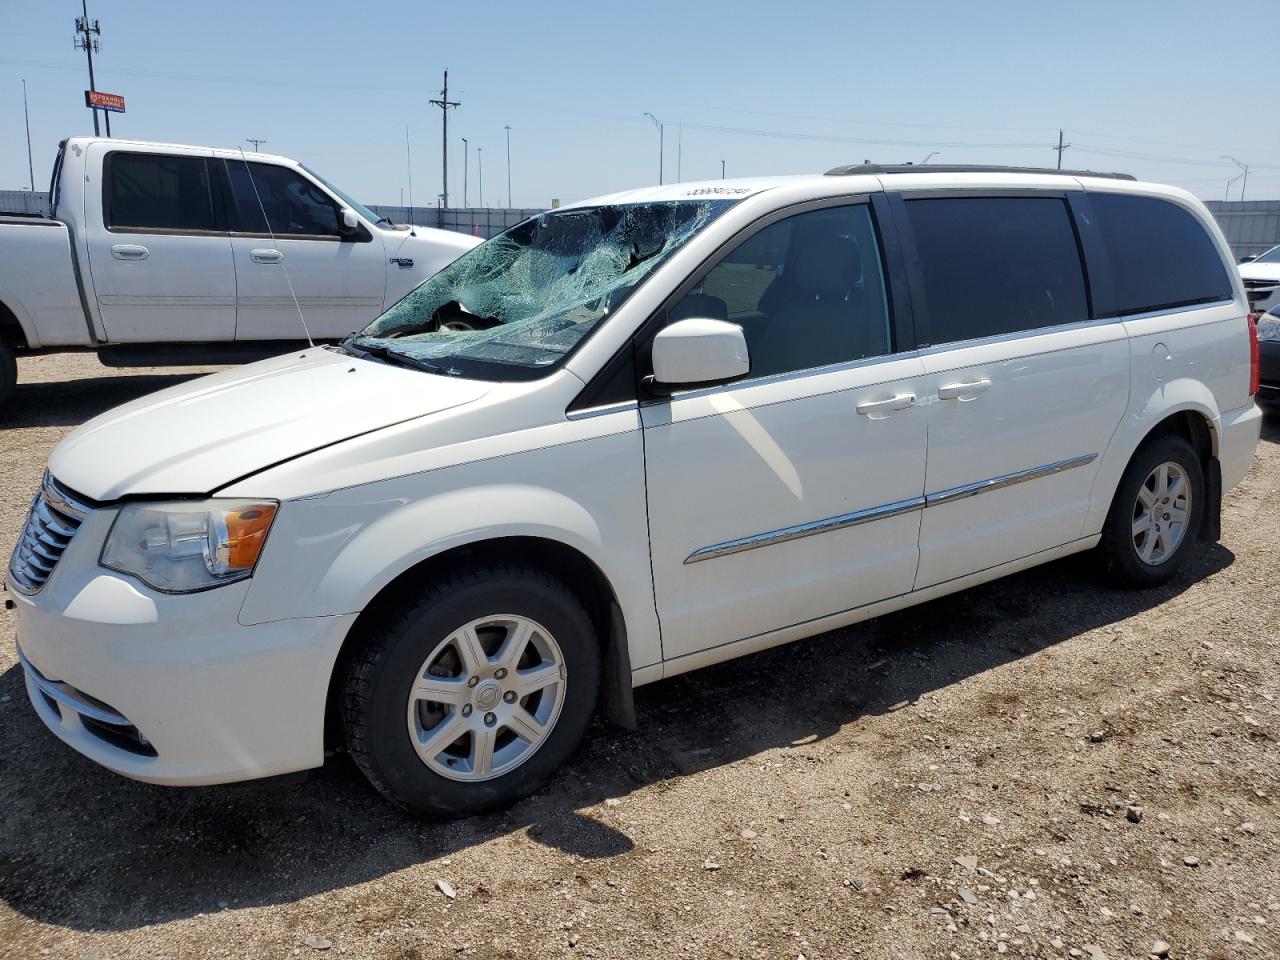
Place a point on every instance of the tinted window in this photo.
(1160, 254)
(995, 265)
(293, 204)
(152, 191)
(807, 291)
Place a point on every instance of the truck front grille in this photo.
(53, 520)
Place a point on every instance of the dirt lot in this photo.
(953, 781)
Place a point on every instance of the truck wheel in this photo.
(8, 373)
(473, 694)
(1155, 516)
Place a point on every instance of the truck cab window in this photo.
(293, 204)
(157, 192)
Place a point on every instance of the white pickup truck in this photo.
(159, 253)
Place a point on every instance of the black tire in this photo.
(380, 674)
(1121, 561)
(8, 374)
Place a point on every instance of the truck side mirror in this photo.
(348, 222)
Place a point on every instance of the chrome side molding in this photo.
(1007, 480)
(810, 529)
(897, 508)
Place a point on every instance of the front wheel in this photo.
(474, 694)
(1155, 516)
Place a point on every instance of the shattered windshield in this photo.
(516, 305)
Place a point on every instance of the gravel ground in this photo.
(1041, 767)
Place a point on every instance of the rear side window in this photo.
(293, 204)
(994, 265)
(151, 191)
(1161, 256)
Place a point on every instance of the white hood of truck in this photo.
(200, 436)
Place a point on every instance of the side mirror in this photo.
(348, 222)
(696, 352)
(1248, 259)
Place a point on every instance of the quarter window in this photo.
(293, 204)
(1161, 255)
(995, 265)
(151, 191)
(807, 291)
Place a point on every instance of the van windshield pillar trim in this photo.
(897, 508)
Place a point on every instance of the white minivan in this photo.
(627, 439)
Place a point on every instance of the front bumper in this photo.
(172, 689)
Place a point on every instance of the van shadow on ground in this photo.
(69, 403)
(85, 849)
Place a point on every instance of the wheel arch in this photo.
(582, 575)
(15, 325)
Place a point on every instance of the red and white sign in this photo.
(104, 101)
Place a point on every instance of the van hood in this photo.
(200, 436)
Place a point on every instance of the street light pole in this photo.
(26, 114)
(661, 151)
(928, 158)
(465, 163)
(508, 129)
(1244, 172)
(480, 170)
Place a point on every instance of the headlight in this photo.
(1269, 327)
(185, 546)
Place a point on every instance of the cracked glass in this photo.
(516, 305)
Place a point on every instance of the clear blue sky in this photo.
(1161, 90)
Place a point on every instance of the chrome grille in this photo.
(53, 520)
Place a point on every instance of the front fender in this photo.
(390, 546)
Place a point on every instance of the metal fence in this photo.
(483, 222)
(1251, 226)
(24, 201)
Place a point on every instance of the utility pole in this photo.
(1060, 147)
(466, 162)
(680, 153)
(721, 169)
(480, 169)
(444, 103)
(408, 156)
(257, 142)
(87, 35)
(31, 170)
(658, 123)
(508, 129)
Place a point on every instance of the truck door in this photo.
(339, 279)
(160, 262)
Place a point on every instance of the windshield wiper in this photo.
(387, 355)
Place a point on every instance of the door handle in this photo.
(963, 391)
(874, 408)
(265, 256)
(129, 251)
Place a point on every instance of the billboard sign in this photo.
(104, 101)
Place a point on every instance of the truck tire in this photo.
(474, 693)
(1155, 516)
(8, 374)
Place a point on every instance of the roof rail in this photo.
(855, 169)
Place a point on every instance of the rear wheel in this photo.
(1155, 516)
(474, 694)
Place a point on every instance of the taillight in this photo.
(1255, 364)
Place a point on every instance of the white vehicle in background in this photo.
(631, 438)
(1261, 276)
(159, 253)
